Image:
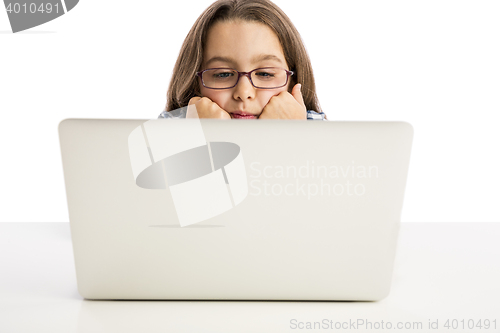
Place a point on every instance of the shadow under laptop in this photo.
(225, 316)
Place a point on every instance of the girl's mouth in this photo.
(243, 115)
(240, 116)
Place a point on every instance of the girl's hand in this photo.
(286, 106)
(205, 108)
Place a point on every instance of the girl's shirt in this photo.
(181, 113)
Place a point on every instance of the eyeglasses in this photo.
(261, 78)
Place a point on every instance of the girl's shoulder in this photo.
(177, 113)
(315, 115)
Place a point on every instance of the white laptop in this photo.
(205, 209)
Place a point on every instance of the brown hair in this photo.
(190, 58)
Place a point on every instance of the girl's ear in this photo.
(291, 84)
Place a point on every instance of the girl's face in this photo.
(243, 46)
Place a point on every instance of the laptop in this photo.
(206, 209)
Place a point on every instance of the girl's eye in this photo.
(223, 75)
(264, 74)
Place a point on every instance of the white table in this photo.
(442, 271)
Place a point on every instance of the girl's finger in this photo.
(192, 112)
(194, 100)
(297, 94)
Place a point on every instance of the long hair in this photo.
(181, 90)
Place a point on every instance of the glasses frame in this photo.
(247, 74)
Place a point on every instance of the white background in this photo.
(432, 63)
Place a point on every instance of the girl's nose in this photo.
(244, 89)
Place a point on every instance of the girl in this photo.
(243, 59)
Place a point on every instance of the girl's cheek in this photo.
(268, 94)
(208, 93)
(219, 97)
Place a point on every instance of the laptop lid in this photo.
(282, 210)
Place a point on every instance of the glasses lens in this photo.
(269, 77)
(220, 78)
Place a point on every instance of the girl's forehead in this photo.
(242, 43)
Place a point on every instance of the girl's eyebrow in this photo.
(222, 59)
(260, 57)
